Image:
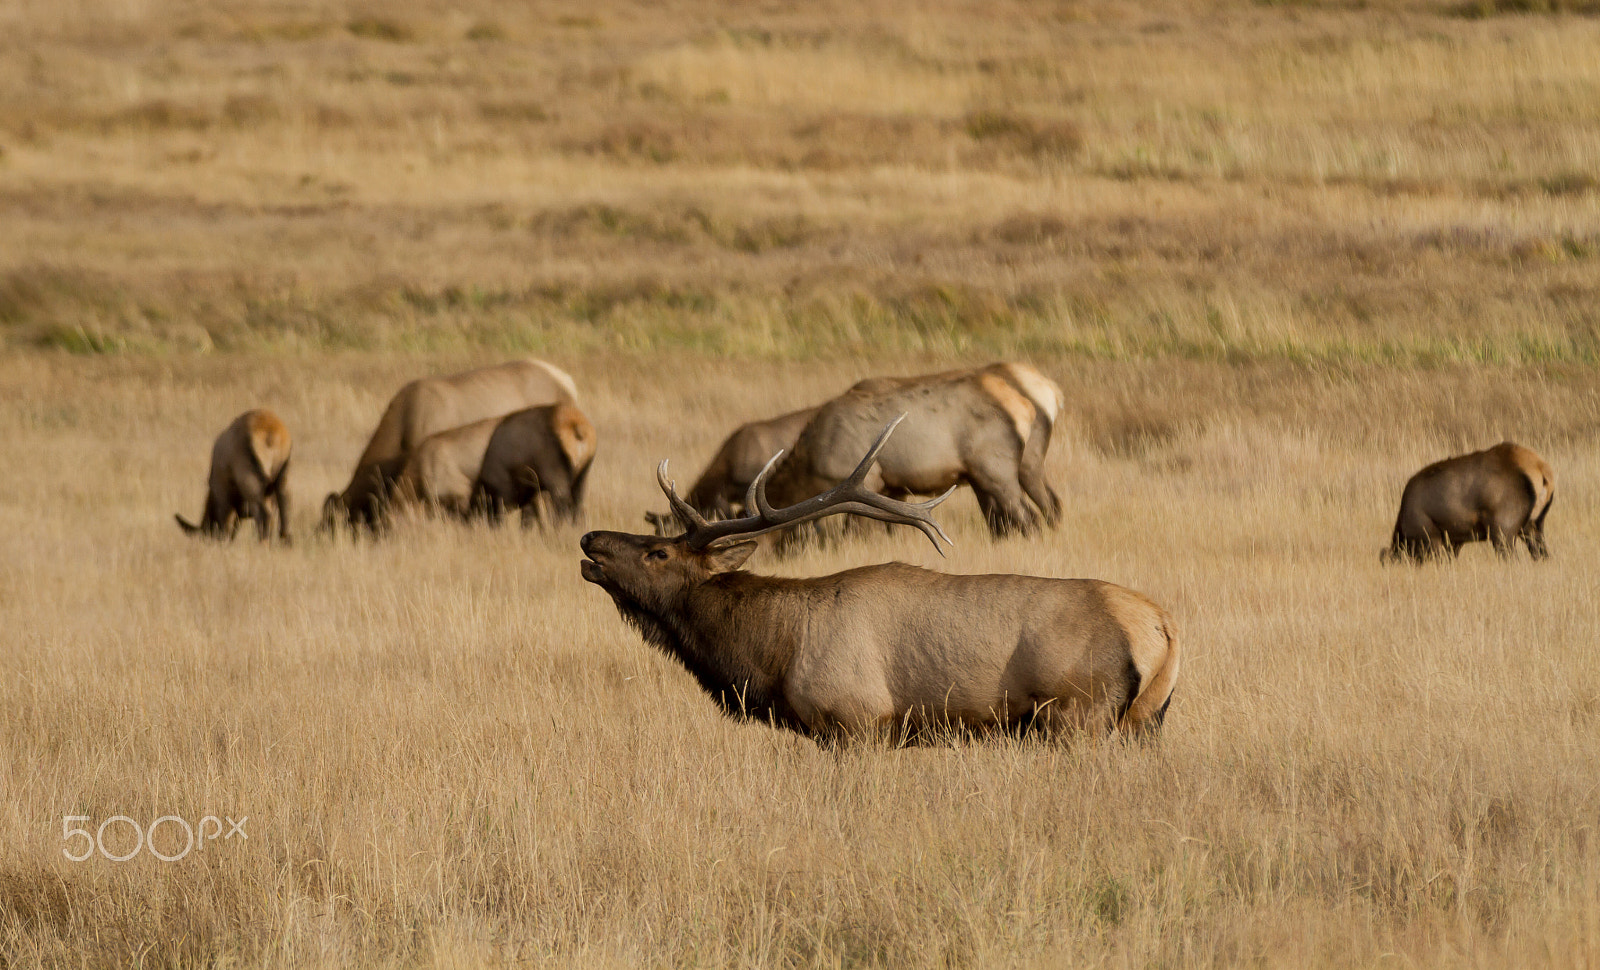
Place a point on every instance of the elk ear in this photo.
(728, 558)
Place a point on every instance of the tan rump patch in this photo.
(576, 435)
(1017, 407)
(1538, 473)
(1041, 390)
(561, 377)
(269, 439)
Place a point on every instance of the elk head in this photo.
(365, 502)
(650, 573)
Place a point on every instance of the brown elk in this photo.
(441, 471)
(428, 406)
(988, 428)
(546, 450)
(886, 649)
(1500, 494)
(736, 464)
(249, 466)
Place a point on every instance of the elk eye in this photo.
(656, 554)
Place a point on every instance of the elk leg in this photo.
(256, 510)
(1503, 532)
(1533, 536)
(579, 484)
(280, 498)
(1502, 548)
(1038, 489)
(1421, 539)
(1003, 505)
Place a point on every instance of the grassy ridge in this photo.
(1245, 181)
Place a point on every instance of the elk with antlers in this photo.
(890, 648)
(728, 476)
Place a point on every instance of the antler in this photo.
(849, 496)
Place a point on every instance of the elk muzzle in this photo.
(594, 548)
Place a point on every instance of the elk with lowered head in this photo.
(249, 466)
(737, 462)
(1500, 494)
(890, 649)
(433, 404)
(491, 464)
(539, 451)
(988, 428)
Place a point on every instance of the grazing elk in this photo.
(442, 470)
(544, 450)
(1500, 494)
(988, 428)
(249, 465)
(428, 406)
(735, 466)
(886, 649)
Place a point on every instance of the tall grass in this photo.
(453, 752)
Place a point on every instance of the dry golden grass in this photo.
(1279, 254)
(452, 752)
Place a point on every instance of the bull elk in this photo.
(728, 475)
(249, 466)
(888, 648)
(1501, 494)
(430, 405)
(988, 428)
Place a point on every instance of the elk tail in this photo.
(1542, 490)
(1148, 708)
(188, 527)
(266, 438)
(576, 436)
(561, 377)
(1045, 393)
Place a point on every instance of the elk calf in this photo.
(890, 649)
(249, 465)
(1500, 494)
(540, 450)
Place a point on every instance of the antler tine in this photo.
(849, 496)
(758, 488)
(755, 497)
(690, 516)
(860, 474)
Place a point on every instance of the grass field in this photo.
(1279, 255)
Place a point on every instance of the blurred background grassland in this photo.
(1355, 181)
